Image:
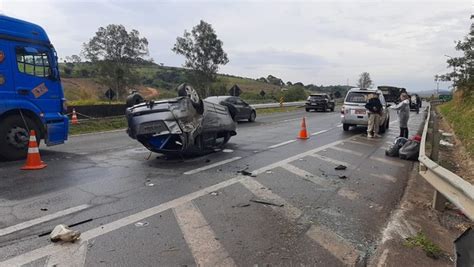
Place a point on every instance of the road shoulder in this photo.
(414, 217)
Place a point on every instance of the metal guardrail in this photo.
(449, 185)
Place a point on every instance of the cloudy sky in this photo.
(400, 43)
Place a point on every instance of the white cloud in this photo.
(319, 42)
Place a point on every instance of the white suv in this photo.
(353, 112)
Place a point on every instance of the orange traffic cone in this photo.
(303, 132)
(74, 117)
(33, 160)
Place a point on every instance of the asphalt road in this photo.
(140, 209)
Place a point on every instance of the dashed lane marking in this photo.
(304, 174)
(330, 160)
(212, 166)
(202, 241)
(320, 132)
(335, 244)
(348, 151)
(49, 217)
(282, 144)
(387, 161)
(358, 143)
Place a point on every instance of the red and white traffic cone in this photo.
(74, 117)
(33, 160)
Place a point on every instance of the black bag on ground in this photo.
(392, 150)
(410, 150)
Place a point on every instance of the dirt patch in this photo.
(456, 158)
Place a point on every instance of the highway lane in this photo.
(324, 219)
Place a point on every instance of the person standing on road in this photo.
(374, 109)
(403, 109)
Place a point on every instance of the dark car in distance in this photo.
(320, 101)
(238, 108)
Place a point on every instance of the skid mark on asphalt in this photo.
(335, 244)
(49, 217)
(206, 250)
(210, 166)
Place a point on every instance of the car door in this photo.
(385, 110)
(6, 78)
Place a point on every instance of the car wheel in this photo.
(252, 117)
(345, 127)
(387, 124)
(332, 109)
(186, 90)
(307, 110)
(14, 137)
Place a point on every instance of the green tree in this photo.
(463, 66)
(364, 81)
(203, 52)
(114, 50)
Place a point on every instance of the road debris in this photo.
(241, 205)
(43, 209)
(340, 167)
(445, 143)
(215, 193)
(62, 233)
(150, 184)
(268, 172)
(141, 224)
(342, 177)
(247, 173)
(208, 160)
(265, 202)
(227, 150)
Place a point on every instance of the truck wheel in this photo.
(14, 137)
(345, 127)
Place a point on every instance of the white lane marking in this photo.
(260, 191)
(282, 144)
(340, 125)
(304, 174)
(109, 227)
(49, 217)
(71, 256)
(385, 176)
(358, 143)
(320, 132)
(210, 166)
(298, 156)
(106, 228)
(387, 161)
(330, 160)
(335, 244)
(383, 258)
(206, 250)
(348, 151)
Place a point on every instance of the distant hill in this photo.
(428, 93)
(157, 81)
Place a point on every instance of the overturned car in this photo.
(182, 125)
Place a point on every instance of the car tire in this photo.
(345, 127)
(307, 110)
(387, 124)
(252, 117)
(187, 90)
(332, 109)
(13, 124)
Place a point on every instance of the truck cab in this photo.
(31, 94)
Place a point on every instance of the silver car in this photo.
(354, 113)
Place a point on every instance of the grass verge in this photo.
(98, 125)
(277, 110)
(420, 240)
(460, 114)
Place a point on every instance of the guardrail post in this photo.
(439, 200)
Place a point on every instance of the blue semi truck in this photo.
(31, 94)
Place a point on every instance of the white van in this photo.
(354, 113)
